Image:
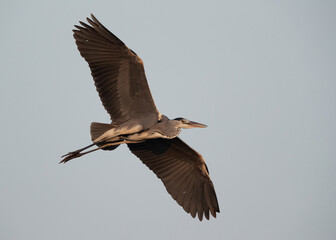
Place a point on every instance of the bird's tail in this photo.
(97, 129)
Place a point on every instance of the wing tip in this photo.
(94, 18)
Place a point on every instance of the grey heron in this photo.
(119, 77)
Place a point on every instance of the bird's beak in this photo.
(196, 124)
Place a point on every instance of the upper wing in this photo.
(118, 72)
(182, 171)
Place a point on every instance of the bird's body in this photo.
(120, 80)
(165, 128)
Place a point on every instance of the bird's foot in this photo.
(71, 155)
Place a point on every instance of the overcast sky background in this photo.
(260, 74)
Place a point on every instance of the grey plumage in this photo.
(120, 80)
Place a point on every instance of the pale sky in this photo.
(260, 74)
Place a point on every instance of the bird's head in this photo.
(185, 123)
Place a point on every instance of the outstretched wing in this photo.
(117, 71)
(182, 171)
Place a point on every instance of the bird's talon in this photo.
(70, 153)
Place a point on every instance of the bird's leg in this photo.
(77, 153)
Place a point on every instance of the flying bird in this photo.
(119, 77)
